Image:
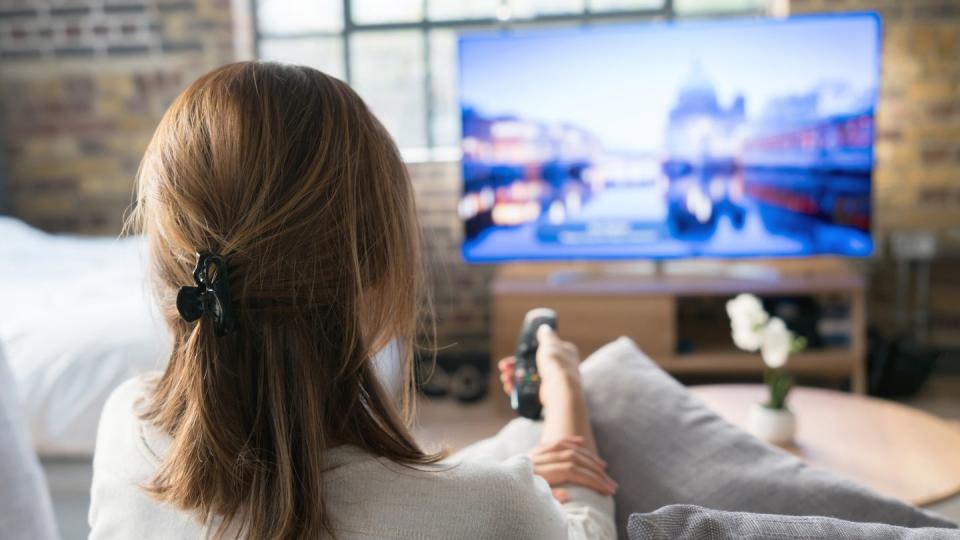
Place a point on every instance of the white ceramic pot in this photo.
(777, 426)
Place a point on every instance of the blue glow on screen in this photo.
(722, 139)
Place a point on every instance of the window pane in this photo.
(531, 8)
(445, 10)
(443, 88)
(710, 6)
(324, 53)
(617, 5)
(292, 16)
(386, 68)
(379, 11)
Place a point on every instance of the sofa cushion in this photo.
(665, 447)
(686, 522)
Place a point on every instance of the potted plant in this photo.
(753, 330)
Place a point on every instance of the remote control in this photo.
(525, 398)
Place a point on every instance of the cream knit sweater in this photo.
(366, 496)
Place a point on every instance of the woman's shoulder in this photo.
(125, 441)
(511, 492)
(129, 392)
(509, 474)
(502, 498)
(127, 456)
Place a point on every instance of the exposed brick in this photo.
(17, 13)
(939, 152)
(20, 54)
(128, 50)
(69, 11)
(944, 110)
(176, 5)
(74, 137)
(124, 8)
(889, 135)
(186, 46)
(937, 10)
(74, 51)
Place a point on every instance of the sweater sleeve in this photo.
(587, 516)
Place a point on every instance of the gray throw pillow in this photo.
(686, 522)
(664, 446)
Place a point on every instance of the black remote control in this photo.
(525, 398)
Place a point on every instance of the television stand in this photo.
(596, 303)
(662, 269)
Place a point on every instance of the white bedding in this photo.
(76, 320)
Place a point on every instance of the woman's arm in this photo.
(565, 410)
(567, 453)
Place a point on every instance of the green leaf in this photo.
(779, 385)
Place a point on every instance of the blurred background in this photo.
(83, 84)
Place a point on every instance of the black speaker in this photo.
(801, 314)
(898, 367)
(463, 377)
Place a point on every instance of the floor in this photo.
(444, 423)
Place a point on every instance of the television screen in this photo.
(710, 139)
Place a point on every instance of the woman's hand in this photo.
(566, 462)
(567, 454)
(558, 363)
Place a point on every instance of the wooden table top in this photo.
(895, 449)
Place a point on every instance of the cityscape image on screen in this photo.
(705, 139)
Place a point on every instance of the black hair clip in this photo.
(212, 297)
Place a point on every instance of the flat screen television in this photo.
(731, 138)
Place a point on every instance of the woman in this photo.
(284, 254)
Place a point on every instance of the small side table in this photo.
(895, 449)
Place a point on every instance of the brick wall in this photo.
(461, 301)
(83, 84)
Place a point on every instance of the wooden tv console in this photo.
(597, 303)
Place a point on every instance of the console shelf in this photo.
(598, 303)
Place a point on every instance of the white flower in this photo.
(746, 337)
(777, 341)
(746, 307)
(747, 318)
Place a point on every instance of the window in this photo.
(322, 52)
(388, 70)
(401, 55)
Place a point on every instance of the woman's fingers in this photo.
(572, 473)
(568, 458)
(566, 461)
(575, 440)
(560, 494)
(507, 366)
(506, 379)
(570, 443)
(570, 453)
(547, 335)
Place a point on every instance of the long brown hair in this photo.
(284, 172)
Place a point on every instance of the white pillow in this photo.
(76, 322)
